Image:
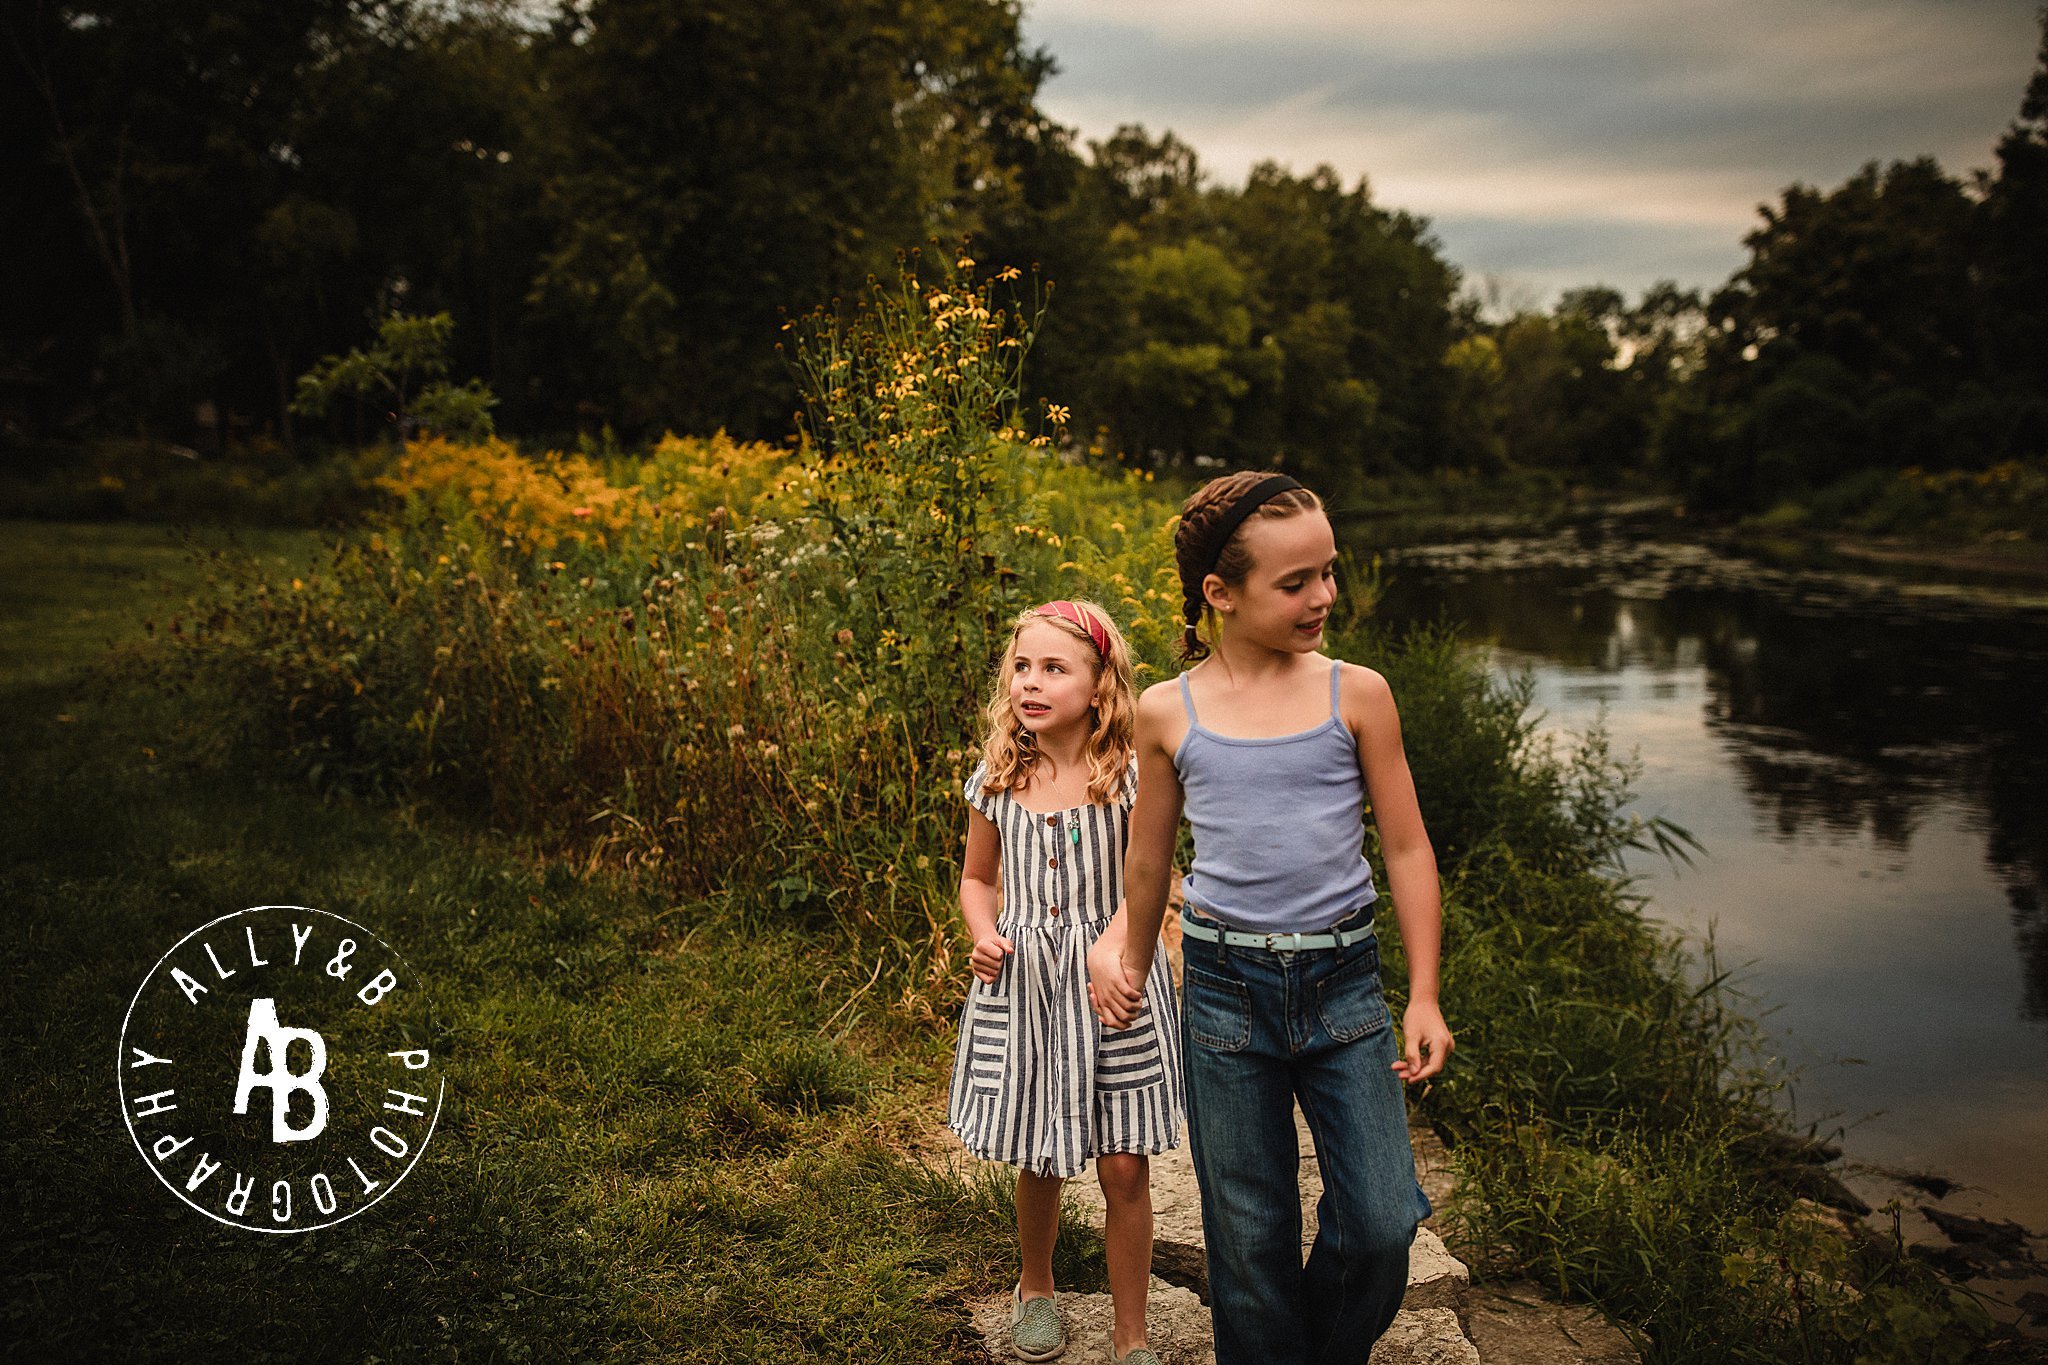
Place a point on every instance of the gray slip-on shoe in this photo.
(1035, 1331)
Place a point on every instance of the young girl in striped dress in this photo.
(1037, 1083)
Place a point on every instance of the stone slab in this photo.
(1435, 1277)
(1424, 1336)
(1176, 1321)
(1178, 1326)
(1515, 1324)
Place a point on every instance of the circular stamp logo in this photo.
(276, 1069)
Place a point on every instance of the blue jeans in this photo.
(1263, 1029)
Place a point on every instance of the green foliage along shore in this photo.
(733, 672)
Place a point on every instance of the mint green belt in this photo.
(1279, 943)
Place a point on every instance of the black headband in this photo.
(1226, 526)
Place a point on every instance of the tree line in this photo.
(622, 202)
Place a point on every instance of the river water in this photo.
(1866, 763)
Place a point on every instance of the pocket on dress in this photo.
(988, 1044)
(1350, 1000)
(1218, 1010)
(1130, 1058)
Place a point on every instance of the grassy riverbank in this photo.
(650, 766)
(673, 1120)
(1988, 525)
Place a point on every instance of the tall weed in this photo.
(746, 667)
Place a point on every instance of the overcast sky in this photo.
(1553, 143)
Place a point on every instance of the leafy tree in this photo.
(1874, 275)
(1074, 222)
(718, 162)
(1577, 391)
(411, 187)
(1291, 321)
(1329, 263)
(2012, 225)
(1473, 431)
(1319, 411)
(158, 119)
(1150, 180)
(406, 367)
(1188, 353)
(1839, 344)
(246, 178)
(1564, 405)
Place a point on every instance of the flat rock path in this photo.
(1445, 1320)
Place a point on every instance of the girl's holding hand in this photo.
(1037, 1081)
(1274, 751)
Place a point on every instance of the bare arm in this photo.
(1411, 865)
(1155, 820)
(980, 895)
(1122, 957)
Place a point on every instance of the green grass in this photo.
(652, 1147)
(68, 592)
(255, 484)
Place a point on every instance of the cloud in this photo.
(1552, 255)
(1587, 120)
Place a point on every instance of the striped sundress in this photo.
(1037, 1081)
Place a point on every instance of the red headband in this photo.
(1068, 611)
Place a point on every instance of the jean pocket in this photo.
(1350, 1000)
(1130, 1058)
(1218, 1010)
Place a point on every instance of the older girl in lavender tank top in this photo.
(1274, 751)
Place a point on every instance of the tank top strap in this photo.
(1187, 699)
(1336, 671)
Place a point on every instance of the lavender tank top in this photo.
(1279, 824)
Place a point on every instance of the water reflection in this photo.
(1868, 767)
(1850, 711)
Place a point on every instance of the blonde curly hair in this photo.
(1010, 751)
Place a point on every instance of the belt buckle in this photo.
(1273, 945)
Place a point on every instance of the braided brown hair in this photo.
(1204, 508)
